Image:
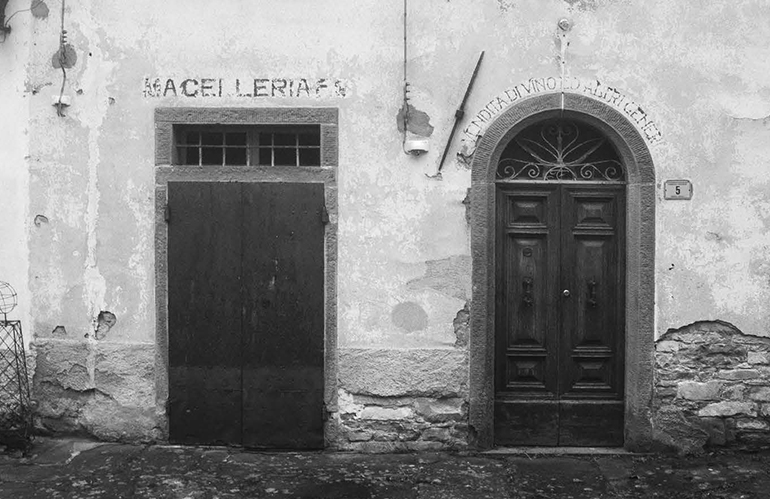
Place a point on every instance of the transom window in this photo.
(560, 149)
(275, 145)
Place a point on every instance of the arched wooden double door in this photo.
(560, 288)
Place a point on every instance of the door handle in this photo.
(527, 285)
(565, 293)
(592, 294)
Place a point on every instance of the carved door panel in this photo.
(559, 314)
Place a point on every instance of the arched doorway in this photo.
(562, 234)
(560, 300)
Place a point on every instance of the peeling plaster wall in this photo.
(14, 177)
(404, 271)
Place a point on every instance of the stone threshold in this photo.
(560, 451)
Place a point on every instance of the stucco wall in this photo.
(404, 271)
(14, 176)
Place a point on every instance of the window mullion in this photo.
(296, 149)
(199, 146)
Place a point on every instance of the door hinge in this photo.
(166, 213)
(324, 215)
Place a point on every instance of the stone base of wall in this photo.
(103, 390)
(400, 401)
(712, 388)
(399, 424)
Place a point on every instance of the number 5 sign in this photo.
(677, 189)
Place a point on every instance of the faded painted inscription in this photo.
(551, 84)
(244, 87)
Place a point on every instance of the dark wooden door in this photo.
(245, 287)
(560, 314)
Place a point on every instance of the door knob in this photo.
(565, 292)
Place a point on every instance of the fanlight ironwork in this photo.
(560, 150)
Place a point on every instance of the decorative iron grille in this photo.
(15, 409)
(560, 150)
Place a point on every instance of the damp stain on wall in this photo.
(450, 276)
(409, 316)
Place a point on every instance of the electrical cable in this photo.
(62, 58)
(406, 88)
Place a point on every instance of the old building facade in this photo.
(234, 224)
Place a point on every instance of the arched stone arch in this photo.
(640, 257)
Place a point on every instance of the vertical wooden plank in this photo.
(204, 267)
(283, 342)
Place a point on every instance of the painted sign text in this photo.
(194, 87)
(551, 84)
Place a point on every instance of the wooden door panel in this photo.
(204, 265)
(530, 209)
(593, 291)
(527, 422)
(593, 210)
(283, 273)
(591, 423)
(526, 256)
(283, 407)
(205, 405)
(528, 366)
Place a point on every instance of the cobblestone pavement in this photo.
(76, 469)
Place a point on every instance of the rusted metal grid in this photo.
(15, 410)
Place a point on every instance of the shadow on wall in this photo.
(712, 388)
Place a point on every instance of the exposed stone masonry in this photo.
(400, 400)
(712, 388)
(397, 424)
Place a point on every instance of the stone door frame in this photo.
(640, 257)
(327, 118)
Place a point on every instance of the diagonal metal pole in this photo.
(458, 116)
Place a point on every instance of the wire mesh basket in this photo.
(15, 409)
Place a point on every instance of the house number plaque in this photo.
(677, 189)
